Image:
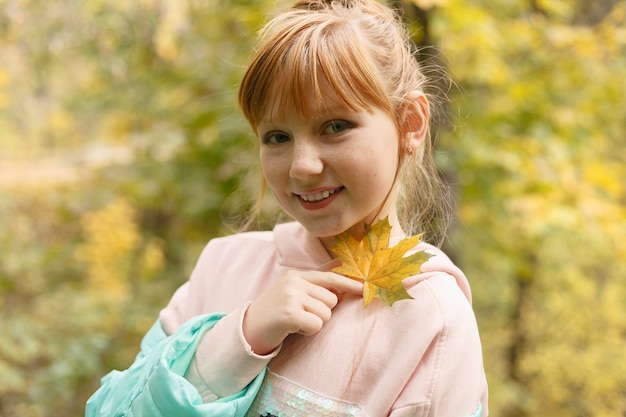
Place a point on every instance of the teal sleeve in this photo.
(154, 385)
(479, 411)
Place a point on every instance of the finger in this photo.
(319, 308)
(334, 282)
(322, 294)
(310, 324)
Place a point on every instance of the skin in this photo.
(333, 172)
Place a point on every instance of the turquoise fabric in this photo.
(154, 385)
(479, 411)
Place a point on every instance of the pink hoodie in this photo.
(420, 357)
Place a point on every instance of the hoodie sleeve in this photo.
(154, 384)
(224, 362)
(452, 372)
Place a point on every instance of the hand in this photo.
(299, 302)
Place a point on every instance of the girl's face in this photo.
(334, 170)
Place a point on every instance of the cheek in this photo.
(379, 165)
(271, 168)
(266, 164)
(380, 173)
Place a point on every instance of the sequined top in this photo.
(280, 397)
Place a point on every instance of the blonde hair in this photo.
(361, 50)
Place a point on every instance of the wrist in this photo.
(259, 341)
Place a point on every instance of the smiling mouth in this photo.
(322, 195)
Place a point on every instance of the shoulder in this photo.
(439, 316)
(442, 293)
(451, 370)
(237, 245)
(438, 308)
(246, 238)
(224, 277)
(288, 244)
(234, 269)
(291, 232)
(450, 303)
(439, 265)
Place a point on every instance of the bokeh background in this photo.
(122, 152)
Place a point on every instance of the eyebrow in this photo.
(336, 108)
(320, 113)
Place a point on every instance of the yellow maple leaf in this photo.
(381, 268)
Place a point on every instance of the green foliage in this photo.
(131, 154)
(69, 288)
(539, 155)
(127, 113)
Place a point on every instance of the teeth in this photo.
(317, 196)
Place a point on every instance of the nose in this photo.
(306, 160)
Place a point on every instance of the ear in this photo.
(415, 117)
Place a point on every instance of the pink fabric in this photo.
(421, 357)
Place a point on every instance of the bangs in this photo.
(306, 64)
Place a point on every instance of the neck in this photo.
(358, 231)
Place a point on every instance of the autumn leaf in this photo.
(381, 268)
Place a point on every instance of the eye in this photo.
(336, 126)
(275, 138)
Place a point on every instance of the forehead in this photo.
(309, 102)
(305, 69)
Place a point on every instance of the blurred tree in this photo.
(539, 151)
(145, 93)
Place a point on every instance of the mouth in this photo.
(318, 196)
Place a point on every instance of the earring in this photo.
(409, 150)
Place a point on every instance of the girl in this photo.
(263, 328)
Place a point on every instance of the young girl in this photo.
(263, 328)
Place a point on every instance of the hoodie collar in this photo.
(298, 249)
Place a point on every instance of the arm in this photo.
(243, 342)
(154, 384)
(224, 362)
(247, 339)
(450, 380)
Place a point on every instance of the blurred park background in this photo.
(122, 152)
